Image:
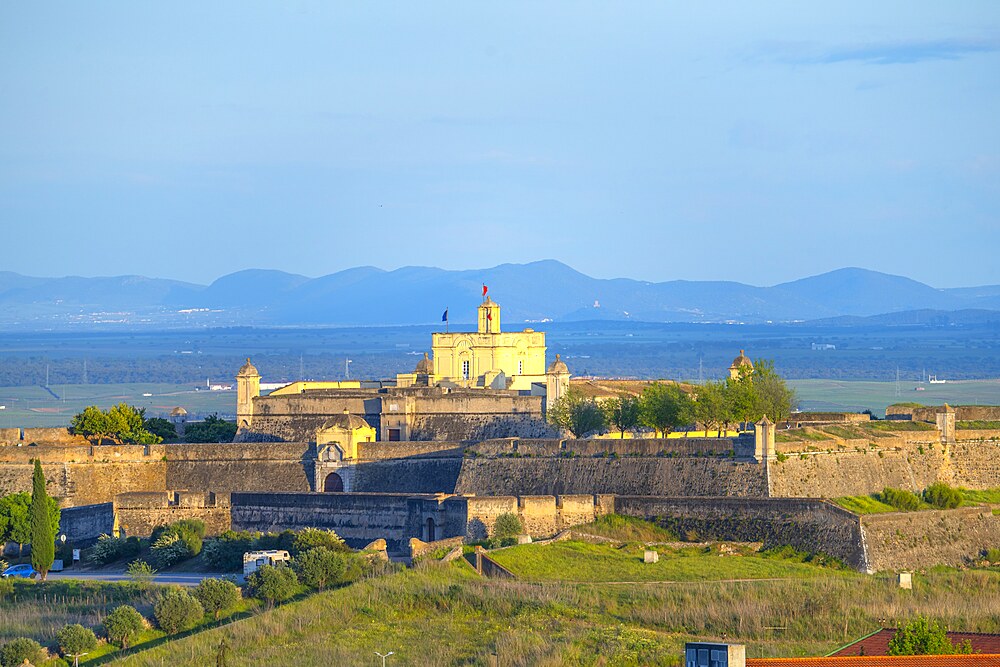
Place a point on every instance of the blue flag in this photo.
(444, 316)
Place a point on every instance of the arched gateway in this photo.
(334, 483)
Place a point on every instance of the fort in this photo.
(441, 456)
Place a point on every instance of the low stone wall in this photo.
(915, 540)
(140, 513)
(928, 413)
(800, 419)
(806, 524)
(377, 451)
(414, 475)
(87, 522)
(228, 467)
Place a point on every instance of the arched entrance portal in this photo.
(430, 530)
(334, 483)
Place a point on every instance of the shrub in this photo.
(992, 555)
(123, 625)
(900, 499)
(140, 572)
(225, 552)
(107, 550)
(310, 538)
(217, 595)
(285, 541)
(189, 531)
(321, 567)
(19, 649)
(6, 588)
(507, 525)
(76, 639)
(178, 610)
(273, 584)
(943, 496)
(923, 637)
(169, 550)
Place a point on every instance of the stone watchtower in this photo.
(741, 365)
(556, 381)
(764, 440)
(946, 424)
(247, 389)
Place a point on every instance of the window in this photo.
(465, 369)
(520, 367)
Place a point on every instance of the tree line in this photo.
(664, 407)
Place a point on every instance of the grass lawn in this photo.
(584, 562)
(627, 529)
(864, 505)
(439, 615)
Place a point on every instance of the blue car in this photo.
(24, 571)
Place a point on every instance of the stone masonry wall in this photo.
(660, 476)
(962, 412)
(139, 513)
(630, 447)
(911, 466)
(87, 522)
(809, 525)
(225, 468)
(913, 540)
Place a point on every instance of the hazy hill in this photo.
(545, 290)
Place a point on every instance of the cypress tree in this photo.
(43, 542)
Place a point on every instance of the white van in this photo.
(253, 560)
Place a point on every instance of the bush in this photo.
(16, 651)
(169, 550)
(189, 531)
(992, 555)
(123, 625)
(140, 573)
(76, 639)
(178, 610)
(225, 552)
(943, 496)
(321, 567)
(109, 549)
(273, 584)
(507, 525)
(900, 499)
(6, 588)
(311, 538)
(923, 637)
(284, 541)
(217, 595)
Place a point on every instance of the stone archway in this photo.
(334, 483)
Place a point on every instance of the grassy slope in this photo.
(871, 505)
(583, 562)
(627, 529)
(445, 615)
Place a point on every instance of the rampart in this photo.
(911, 540)
(139, 513)
(86, 523)
(800, 419)
(928, 413)
(224, 468)
(806, 524)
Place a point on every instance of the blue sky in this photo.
(759, 142)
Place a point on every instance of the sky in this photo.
(758, 142)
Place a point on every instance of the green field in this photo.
(33, 406)
(441, 615)
(851, 396)
(584, 562)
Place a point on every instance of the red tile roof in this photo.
(878, 643)
(975, 660)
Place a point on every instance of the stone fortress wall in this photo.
(928, 413)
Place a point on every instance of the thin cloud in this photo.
(901, 52)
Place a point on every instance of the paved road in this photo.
(182, 578)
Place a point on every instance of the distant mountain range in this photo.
(540, 291)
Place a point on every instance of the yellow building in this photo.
(490, 358)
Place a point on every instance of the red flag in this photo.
(489, 315)
(485, 288)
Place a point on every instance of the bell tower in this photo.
(247, 389)
(489, 316)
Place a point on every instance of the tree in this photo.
(507, 524)
(771, 396)
(273, 584)
(14, 509)
(319, 567)
(43, 539)
(217, 595)
(664, 407)
(711, 408)
(19, 649)
(123, 625)
(161, 428)
(576, 414)
(213, 429)
(923, 637)
(622, 412)
(140, 573)
(76, 640)
(310, 538)
(123, 423)
(177, 611)
(739, 398)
